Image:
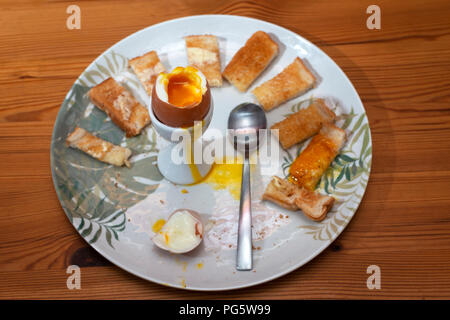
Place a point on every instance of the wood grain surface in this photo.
(402, 73)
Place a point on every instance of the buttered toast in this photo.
(147, 68)
(203, 53)
(304, 123)
(98, 148)
(292, 197)
(293, 81)
(312, 162)
(118, 103)
(248, 63)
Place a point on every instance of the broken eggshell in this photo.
(187, 231)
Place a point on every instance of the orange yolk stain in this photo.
(189, 146)
(226, 176)
(158, 225)
(312, 162)
(166, 237)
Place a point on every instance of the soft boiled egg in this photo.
(182, 232)
(181, 97)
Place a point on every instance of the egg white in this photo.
(179, 234)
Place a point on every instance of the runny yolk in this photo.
(183, 89)
(166, 237)
(312, 162)
(158, 225)
(226, 175)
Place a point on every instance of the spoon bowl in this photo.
(245, 121)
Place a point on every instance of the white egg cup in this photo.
(180, 173)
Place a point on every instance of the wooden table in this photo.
(402, 73)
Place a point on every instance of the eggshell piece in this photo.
(162, 242)
(181, 117)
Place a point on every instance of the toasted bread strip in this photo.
(281, 192)
(248, 63)
(147, 68)
(293, 81)
(203, 53)
(303, 124)
(312, 162)
(98, 148)
(313, 204)
(118, 103)
(292, 197)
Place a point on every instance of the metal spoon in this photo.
(245, 120)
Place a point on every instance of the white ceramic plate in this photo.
(114, 209)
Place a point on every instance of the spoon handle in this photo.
(244, 245)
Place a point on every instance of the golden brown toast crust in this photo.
(292, 197)
(203, 53)
(293, 81)
(119, 104)
(147, 68)
(282, 193)
(304, 123)
(250, 60)
(98, 148)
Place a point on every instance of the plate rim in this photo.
(286, 271)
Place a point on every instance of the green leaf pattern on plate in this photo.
(95, 195)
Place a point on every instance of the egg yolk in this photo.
(309, 166)
(226, 175)
(158, 225)
(184, 87)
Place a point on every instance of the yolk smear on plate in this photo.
(190, 160)
(158, 225)
(199, 265)
(226, 176)
(184, 191)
